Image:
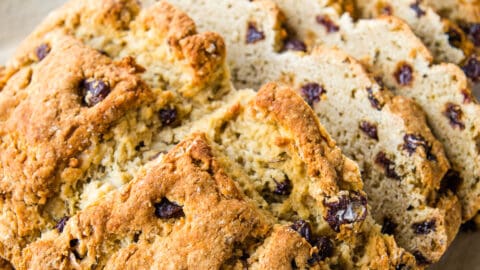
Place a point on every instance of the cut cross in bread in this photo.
(265, 189)
(371, 125)
(445, 40)
(391, 51)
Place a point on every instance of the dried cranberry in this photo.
(61, 224)
(347, 210)
(292, 44)
(94, 91)
(454, 113)
(166, 209)
(42, 51)
(450, 181)
(311, 93)
(412, 141)
(369, 129)
(424, 227)
(168, 116)
(388, 165)
(454, 37)
(328, 23)
(283, 188)
(421, 260)
(416, 7)
(303, 228)
(388, 226)
(254, 35)
(472, 68)
(325, 250)
(404, 74)
(373, 100)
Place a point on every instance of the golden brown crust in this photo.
(46, 126)
(216, 219)
(284, 106)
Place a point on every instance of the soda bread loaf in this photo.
(389, 49)
(371, 125)
(446, 41)
(265, 189)
(105, 120)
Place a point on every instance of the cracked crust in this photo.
(348, 97)
(45, 130)
(160, 36)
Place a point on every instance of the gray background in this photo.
(19, 17)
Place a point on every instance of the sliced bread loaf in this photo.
(445, 40)
(391, 51)
(266, 189)
(371, 125)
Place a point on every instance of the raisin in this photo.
(388, 226)
(424, 227)
(139, 146)
(166, 209)
(386, 10)
(283, 188)
(421, 260)
(328, 23)
(324, 250)
(254, 35)
(369, 129)
(312, 92)
(416, 7)
(373, 100)
(474, 33)
(61, 224)
(42, 51)
(454, 37)
(472, 68)
(450, 181)
(94, 91)
(412, 142)
(404, 74)
(168, 116)
(292, 44)
(73, 243)
(346, 210)
(303, 228)
(389, 167)
(454, 113)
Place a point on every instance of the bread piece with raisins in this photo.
(371, 125)
(265, 188)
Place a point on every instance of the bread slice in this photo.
(391, 51)
(445, 40)
(370, 124)
(257, 192)
(462, 11)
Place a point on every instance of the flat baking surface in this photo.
(19, 17)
